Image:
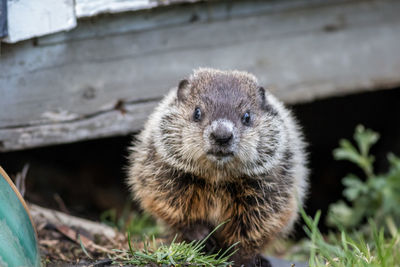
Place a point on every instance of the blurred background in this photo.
(79, 78)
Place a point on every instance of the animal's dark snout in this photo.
(222, 136)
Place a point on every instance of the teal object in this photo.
(18, 241)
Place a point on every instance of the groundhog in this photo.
(221, 148)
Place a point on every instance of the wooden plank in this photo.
(89, 8)
(27, 19)
(302, 54)
(171, 16)
(128, 118)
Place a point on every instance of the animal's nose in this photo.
(222, 136)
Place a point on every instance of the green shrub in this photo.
(377, 196)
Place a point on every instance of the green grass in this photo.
(135, 223)
(345, 249)
(176, 254)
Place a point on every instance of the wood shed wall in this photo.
(105, 76)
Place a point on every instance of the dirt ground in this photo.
(65, 240)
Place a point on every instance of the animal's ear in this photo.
(183, 90)
(265, 105)
(261, 95)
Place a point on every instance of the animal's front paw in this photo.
(197, 232)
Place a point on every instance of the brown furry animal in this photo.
(221, 148)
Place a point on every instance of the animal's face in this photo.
(225, 121)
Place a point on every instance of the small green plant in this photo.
(344, 250)
(137, 224)
(377, 196)
(174, 254)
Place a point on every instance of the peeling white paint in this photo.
(87, 8)
(27, 19)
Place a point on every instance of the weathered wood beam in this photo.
(125, 118)
(66, 89)
(44, 215)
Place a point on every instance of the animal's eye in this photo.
(246, 119)
(197, 114)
